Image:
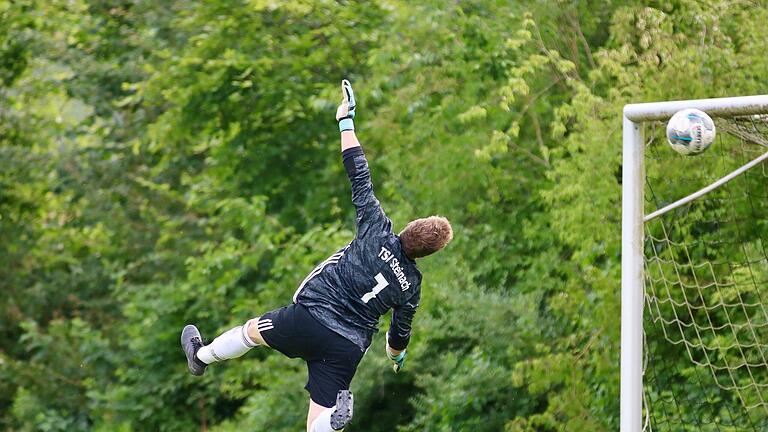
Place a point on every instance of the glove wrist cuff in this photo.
(346, 124)
(394, 357)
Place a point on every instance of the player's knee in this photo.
(321, 421)
(253, 331)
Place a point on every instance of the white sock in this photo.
(231, 344)
(322, 422)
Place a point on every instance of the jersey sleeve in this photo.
(399, 333)
(370, 218)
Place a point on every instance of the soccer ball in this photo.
(690, 131)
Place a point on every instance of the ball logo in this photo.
(690, 131)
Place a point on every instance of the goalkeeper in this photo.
(336, 309)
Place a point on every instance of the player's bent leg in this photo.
(322, 419)
(315, 409)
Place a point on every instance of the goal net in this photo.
(705, 318)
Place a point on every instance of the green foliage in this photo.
(174, 162)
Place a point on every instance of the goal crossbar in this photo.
(632, 233)
(718, 107)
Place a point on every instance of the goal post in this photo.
(633, 232)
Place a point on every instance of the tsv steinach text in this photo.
(394, 264)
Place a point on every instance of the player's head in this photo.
(422, 237)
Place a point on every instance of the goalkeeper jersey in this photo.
(362, 281)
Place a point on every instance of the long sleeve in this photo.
(400, 327)
(370, 217)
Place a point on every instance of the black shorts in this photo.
(331, 359)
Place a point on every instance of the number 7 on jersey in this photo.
(381, 283)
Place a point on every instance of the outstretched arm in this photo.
(370, 216)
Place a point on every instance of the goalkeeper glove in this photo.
(346, 111)
(397, 359)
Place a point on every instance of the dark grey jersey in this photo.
(362, 281)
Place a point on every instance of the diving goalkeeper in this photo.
(336, 308)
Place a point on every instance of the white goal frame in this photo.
(632, 233)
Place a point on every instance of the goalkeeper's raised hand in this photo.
(346, 111)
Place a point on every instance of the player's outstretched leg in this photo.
(231, 344)
(191, 342)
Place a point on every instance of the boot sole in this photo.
(343, 413)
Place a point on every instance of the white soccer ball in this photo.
(690, 131)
